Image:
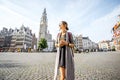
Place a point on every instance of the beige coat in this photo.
(69, 72)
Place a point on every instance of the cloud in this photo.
(100, 29)
(16, 13)
(77, 13)
(13, 19)
(73, 13)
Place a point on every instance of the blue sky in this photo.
(93, 18)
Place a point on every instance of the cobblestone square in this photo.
(40, 66)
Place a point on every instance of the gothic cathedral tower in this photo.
(44, 33)
(43, 25)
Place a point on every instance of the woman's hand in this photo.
(67, 44)
(63, 42)
(60, 44)
(71, 45)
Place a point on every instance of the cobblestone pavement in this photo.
(40, 66)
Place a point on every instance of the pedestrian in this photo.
(64, 63)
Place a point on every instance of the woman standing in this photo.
(64, 58)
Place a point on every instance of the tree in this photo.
(42, 44)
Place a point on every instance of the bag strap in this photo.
(69, 35)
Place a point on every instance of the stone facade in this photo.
(78, 42)
(107, 45)
(84, 44)
(22, 39)
(34, 42)
(88, 44)
(5, 38)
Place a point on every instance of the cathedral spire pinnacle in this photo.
(44, 12)
(44, 16)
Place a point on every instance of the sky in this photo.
(92, 18)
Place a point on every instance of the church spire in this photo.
(44, 17)
(43, 25)
(44, 12)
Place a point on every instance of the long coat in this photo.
(69, 72)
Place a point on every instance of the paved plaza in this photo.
(40, 66)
